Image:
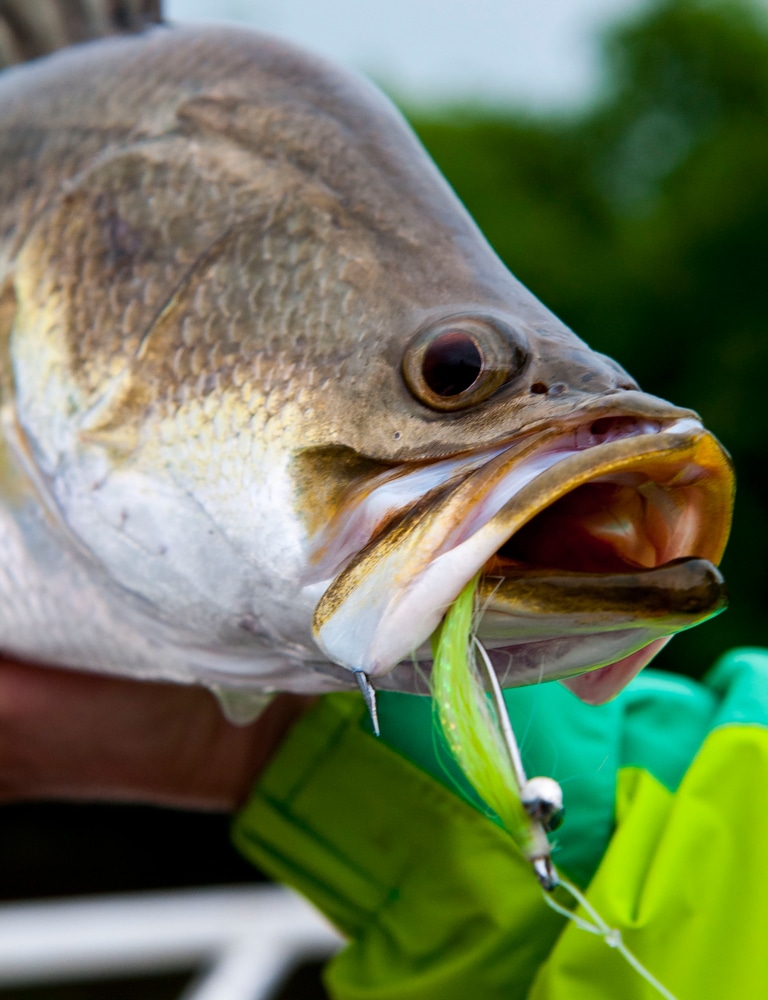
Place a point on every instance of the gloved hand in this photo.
(664, 829)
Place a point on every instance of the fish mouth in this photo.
(595, 544)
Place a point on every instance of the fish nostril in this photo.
(539, 388)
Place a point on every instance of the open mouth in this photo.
(595, 545)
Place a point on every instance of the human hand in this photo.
(70, 735)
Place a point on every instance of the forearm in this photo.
(72, 735)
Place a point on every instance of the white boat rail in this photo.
(246, 939)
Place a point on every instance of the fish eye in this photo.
(452, 363)
(461, 361)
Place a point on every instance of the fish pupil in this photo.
(452, 363)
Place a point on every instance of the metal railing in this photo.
(246, 938)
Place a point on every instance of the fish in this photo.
(268, 398)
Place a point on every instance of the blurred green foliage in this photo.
(642, 222)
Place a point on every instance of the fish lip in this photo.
(666, 453)
(327, 558)
(656, 604)
(563, 410)
(684, 590)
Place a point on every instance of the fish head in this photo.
(595, 517)
(283, 396)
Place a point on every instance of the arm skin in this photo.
(76, 736)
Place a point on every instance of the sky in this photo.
(541, 54)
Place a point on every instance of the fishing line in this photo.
(480, 737)
(611, 935)
(505, 724)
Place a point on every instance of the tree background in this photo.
(642, 222)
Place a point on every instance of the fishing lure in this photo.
(481, 739)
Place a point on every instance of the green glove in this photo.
(438, 902)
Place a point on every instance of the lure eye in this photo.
(542, 799)
(461, 361)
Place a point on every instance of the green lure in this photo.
(475, 729)
(471, 726)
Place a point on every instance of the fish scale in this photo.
(238, 309)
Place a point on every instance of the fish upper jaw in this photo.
(645, 495)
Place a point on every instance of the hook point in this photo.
(369, 694)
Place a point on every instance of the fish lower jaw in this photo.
(594, 668)
(598, 686)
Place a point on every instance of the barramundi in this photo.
(270, 400)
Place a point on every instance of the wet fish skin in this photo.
(291, 199)
(214, 251)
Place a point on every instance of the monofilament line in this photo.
(510, 741)
(484, 745)
(611, 935)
